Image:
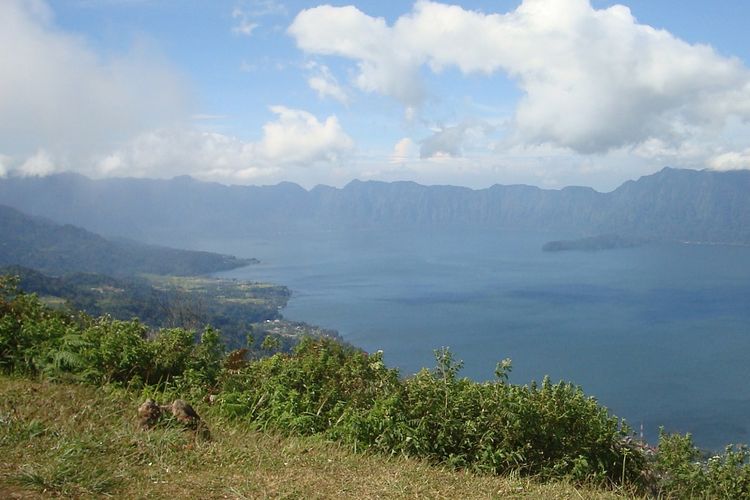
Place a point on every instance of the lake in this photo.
(660, 334)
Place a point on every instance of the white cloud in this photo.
(732, 160)
(244, 25)
(58, 94)
(691, 153)
(404, 150)
(325, 84)
(247, 13)
(384, 66)
(450, 141)
(594, 80)
(295, 139)
(170, 152)
(298, 137)
(38, 165)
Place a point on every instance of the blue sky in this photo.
(543, 92)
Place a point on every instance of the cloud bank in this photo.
(58, 94)
(64, 106)
(604, 98)
(732, 160)
(295, 139)
(593, 80)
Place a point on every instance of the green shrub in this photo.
(35, 339)
(170, 349)
(117, 351)
(495, 427)
(309, 391)
(323, 387)
(681, 471)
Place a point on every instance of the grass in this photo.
(79, 441)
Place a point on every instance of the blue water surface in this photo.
(660, 334)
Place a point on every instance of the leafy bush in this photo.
(37, 340)
(308, 391)
(680, 470)
(116, 351)
(345, 394)
(34, 338)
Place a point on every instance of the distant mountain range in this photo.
(41, 244)
(673, 204)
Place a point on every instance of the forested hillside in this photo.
(41, 244)
(237, 309)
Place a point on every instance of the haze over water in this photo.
(659, 334)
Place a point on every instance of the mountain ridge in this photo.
(672, 204)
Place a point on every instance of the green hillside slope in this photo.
(41, 244)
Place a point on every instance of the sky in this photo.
(473, 93)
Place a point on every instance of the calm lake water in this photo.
(660, 334)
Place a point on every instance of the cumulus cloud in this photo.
(175, 151)
(384, 66)
(295, 138)
(298, 137)
(38, 165)
(404, 150)
(58, 94)
(449, 141)
(691, 153)
(594, 80)
(325, 84)
(732, 160)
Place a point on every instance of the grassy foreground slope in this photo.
(76, 440)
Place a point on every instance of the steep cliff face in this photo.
(683, 204)
(670, 204)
